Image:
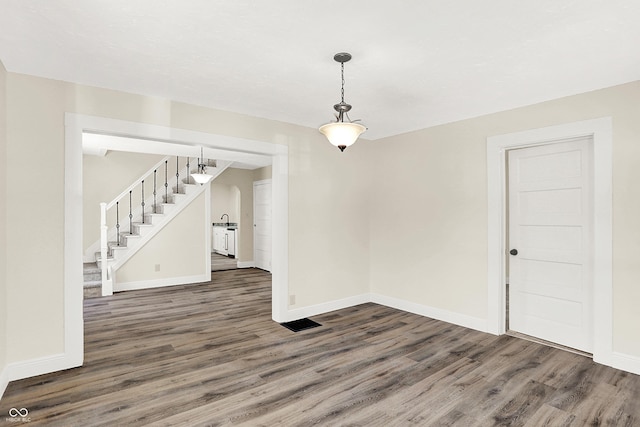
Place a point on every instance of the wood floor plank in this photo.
(209, 354)
(548, 416)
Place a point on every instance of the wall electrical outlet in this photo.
(292, 299)
(157, 267)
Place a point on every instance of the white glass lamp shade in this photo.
(342, 134)
(201, 178)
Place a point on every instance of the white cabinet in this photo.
(231, 242)
(224, 240)
(219, 240)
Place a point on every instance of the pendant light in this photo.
(340, 133)
(201, 177)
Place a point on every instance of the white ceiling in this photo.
(415, 63)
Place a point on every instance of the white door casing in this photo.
(262, 224)
(601, 130)
(75, 125)
(550, 217)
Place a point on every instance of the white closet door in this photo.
(550, 227)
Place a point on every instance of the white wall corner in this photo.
(280, 234)
(326, 307)
(73, 276)
(4, 381)
(432, 312)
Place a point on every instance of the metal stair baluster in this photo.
(166, 184)
(118, 223)
(155, 207)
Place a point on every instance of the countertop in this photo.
(228, 225)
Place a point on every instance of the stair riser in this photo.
(165, 208)
(142, 230)
(148, 219)
(100, 263)
(93, 277)
(127, 239)
(119, 253)
(175, 199)
(184, 189)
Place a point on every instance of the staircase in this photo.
(133, 229)
(92, 280)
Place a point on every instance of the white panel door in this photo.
(262, 224)
(550, 210)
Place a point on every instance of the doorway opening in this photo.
(235, 149)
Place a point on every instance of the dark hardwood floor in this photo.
(209, 354)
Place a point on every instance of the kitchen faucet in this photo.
(227, 215)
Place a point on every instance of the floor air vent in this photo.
(300, 325)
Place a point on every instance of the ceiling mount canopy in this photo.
(340, 133)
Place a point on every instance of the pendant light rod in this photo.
(342, 107)
(340, 133)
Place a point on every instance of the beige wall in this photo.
(225, 199)
(429, 235)
(35, 215)
(328, 240)
(105, 177)
(243, 180)
(179, 250)
(3, 221)
(262, 173)
(404, 217)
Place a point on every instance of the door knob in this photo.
(513, 252)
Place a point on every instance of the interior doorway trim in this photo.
(600, 130)
(75, 125)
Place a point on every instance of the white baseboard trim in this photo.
(158, 283)
(313, 310)
(625, 362)
(4, 381)
(432, 312)
(410, 307)
(246, 264)
(40, 366)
